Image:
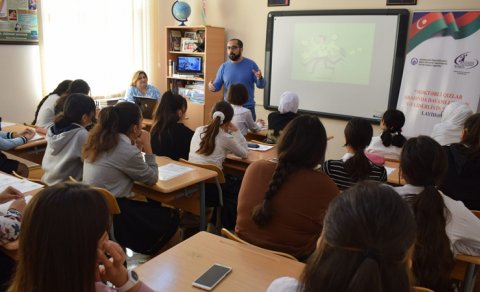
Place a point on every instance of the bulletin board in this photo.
(18, 22)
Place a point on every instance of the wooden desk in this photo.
(32, 150)
(252, 269)
(235, 163)
(259, 135)
(174, 191)
(394, 178)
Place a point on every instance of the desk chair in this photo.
(466, 267)
(30, 179)
(234, 237)
(219, 179)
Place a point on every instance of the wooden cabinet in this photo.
(213, 55)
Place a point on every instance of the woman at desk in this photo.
(45, 113)
(10, 140)
(287, 111)
(290, 196)
(140, 87)
(113, 160)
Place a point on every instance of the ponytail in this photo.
(62, 87)
(358, 167)
(262, 213)
(207, 143)
(433, 259)
(389, 137)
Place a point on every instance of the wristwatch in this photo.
(132, 281)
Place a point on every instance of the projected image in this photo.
(189, 64)
(333, 52)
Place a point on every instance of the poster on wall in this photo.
(441, 66)
(18, 22)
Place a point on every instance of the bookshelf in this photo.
(213, 56)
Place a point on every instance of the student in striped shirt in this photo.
(354, 165)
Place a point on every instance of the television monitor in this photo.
(189, 65)
(341, 63)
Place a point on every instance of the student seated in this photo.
(77, 86)
(169, 136)
(287, 111)
(9, 230)
(113, 160)
(211, 144)
(443, 224)
(10, 140)
(354, 165)
(65, 139)
(287, 198)
(449, 130)
(65, 229)
(389, 143)
(463, 175)
(237, 96)
(365, 246)
(45, 113)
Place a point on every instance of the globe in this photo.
(181, 11)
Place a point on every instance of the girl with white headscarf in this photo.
(449, 130)
(287, 111)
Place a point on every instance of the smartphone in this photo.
(253, 145)
(212, 277)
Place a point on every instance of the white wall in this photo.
(20, 84)
(247, 20)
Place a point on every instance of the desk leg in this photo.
(469, 278)
(203, 225)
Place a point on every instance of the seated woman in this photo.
(140, 87)
(113, 160)
(65, 139)
(365, 246)
(9, 230)
(77, 86)
(45, 113)
(212, 143)
(442, 223)
(287, 198)
(170, 137)
(237, 95)
(57, 232)
(463, 175)
(389, 143)
(354, 165)
(449, 130)
(287, 111)
(10, 140)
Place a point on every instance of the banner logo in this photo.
(463, 62)
(414, 61)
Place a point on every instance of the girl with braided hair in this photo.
(391, 141)
(288, 198)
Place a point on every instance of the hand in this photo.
(27, 133)
(10, 194)
(143, 142)
(211, 87)
(261, 122)
(113, 269)
(19, 204)
(258, 74)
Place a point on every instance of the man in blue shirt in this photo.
(238, 70)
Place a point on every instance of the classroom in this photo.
(244, 265)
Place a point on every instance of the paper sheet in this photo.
(7, 124)
(171, 170)
(262, 147)
(389, 170)
(37, 137)
(23, 185)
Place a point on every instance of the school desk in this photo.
(180, 190)
(253, 269)
(237, 164)
(32, 150)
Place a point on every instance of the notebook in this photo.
(147, 105)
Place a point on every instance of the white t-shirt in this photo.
(376, 147)
(463, 227)
(243, 120)
(46, 114)
(283, 284)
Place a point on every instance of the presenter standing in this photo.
(238, 70)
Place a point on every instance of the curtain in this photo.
(101, 41)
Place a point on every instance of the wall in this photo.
(20, 85)
(247, 19)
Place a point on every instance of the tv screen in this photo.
(189, 65)
(341, 63)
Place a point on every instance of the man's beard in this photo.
(234, 57)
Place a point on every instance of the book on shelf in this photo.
(175, 40)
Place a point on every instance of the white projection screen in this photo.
(341, 63)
